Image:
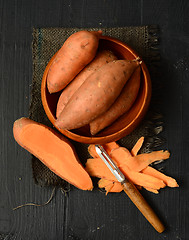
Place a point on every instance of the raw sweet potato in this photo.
(135, 167)
(136, 148)
(140, 161)
(170, 182)
(97, 168)
(77, 51)
(96, 94)
(54, 150)
(102, 57)
(109, 185)
(122, 104)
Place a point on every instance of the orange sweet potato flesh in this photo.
(137, 146)
(96, 167)
(170, 182)
(77, 51)
(135, 167)
(102, 57)
(54, 150)
(122, 104)
(96, 94)
(110, 186)
(138, 162)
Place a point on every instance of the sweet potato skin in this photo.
(122, 104)
(96, 94)
(77, 51)
(102, 57)
(30, 135)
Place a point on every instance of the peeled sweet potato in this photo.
(102, 57)
(77, 51)
(54, 150)
(96, 94)
(122, 104)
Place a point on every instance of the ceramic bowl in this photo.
(123, 125)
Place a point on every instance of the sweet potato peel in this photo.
(134, 166)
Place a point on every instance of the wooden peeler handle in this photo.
(142, 205)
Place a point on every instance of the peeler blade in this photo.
(110, 163)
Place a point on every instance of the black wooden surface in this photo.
(90, 215)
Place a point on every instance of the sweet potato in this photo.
(134, 166)
(102, 57)
(170, 182)
(136, 148)
(96, 94)
(109, 185)
(122, 104)
(77, 51)
(54, 150)
(97, 168)
(139, 162)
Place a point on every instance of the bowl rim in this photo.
(114, 136)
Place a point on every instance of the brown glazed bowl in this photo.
(123, 125)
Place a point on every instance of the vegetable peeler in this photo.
(130, 189)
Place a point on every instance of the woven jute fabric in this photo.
(46, 42)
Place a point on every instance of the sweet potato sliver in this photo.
(113, 186)
(144, 180)
(137, 146)
(139, 162)
(96, 167)
(171, 182)
(152, 190)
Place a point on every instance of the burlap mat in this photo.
(46, 41)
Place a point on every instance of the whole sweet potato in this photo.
(77, 51)
(121, 105)
(102, 57)
(96, 94)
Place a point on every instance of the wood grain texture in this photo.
(90, 215)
